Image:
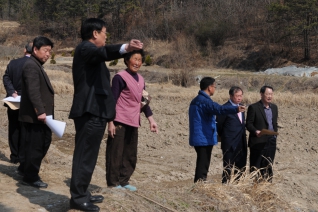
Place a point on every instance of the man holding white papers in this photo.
(37, 102)
(12, 84)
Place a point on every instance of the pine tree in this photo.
(298, 17)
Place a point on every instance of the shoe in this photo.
(117, 187)
(86, 206)
(36, 184)
(96, 199)
(130, 187)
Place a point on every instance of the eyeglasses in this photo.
(268, 94)
(103, 32)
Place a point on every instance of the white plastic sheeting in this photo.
(294, 71)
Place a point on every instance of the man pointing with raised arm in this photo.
(93, 106)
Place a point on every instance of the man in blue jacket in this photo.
(202, 125)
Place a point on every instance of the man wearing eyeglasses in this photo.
(93, 106)
(231, 129)
(262, 115)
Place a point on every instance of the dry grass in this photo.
(242, 193)
(61, 81)
(183, 195)
(283, 96)
(62, 84)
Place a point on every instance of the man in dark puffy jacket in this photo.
(203, 133)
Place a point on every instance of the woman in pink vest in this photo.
(121, 150)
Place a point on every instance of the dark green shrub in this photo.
(113, 63)
(108, 40)
(53, 56)
(52, 61)
(148, 60)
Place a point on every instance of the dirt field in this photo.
(165, 168)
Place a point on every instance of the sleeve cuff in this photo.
(123, 49)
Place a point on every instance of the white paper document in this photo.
(56, 126)
(12, 99)
(13, 103)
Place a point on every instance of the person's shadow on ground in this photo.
(5, 208)
(50, 201)
(4, 158)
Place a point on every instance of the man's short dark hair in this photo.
(206, 82)
(40, 41)
(234, 89)
(89, 25)
(128, 55)
(263, 89)
(28, 48)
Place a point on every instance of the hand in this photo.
(258, 133)
(134, 45)
(15, 94)
(153, 124)
(111, 129)
(42, 117)
(154, 127)
(241, 108)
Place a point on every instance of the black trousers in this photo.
(37, 138)
(262, 157)
(14, 131)
(203, 162)
(90, 130)
(121, 155)
(233, 159)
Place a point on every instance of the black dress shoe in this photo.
(36, 184)
(96, 199)
(86, 206)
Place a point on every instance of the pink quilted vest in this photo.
(129, 102)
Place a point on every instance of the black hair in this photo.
(40, 41)
(28, 47)
(128, 55)
(234, 89)
(206, 82)
(263, 89)
(89, 25)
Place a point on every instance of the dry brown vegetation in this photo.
(165, 168)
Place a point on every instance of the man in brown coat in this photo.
(37, 102)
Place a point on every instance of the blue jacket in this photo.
(202, 123)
